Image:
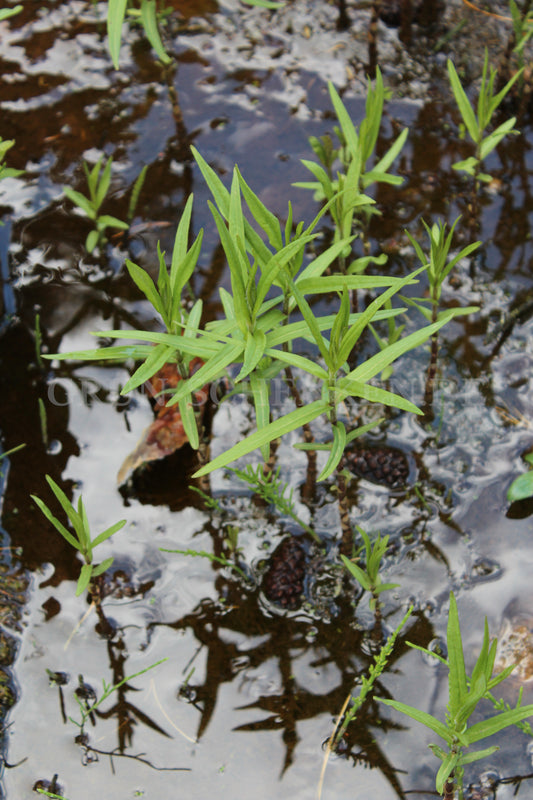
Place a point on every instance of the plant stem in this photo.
(167, 71)
(308, 489)
(432, 368)
(449, 789)
(373, 39)
(105, 628)
(342, 496)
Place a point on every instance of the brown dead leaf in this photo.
(166, 433)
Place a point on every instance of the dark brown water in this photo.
(248, 693)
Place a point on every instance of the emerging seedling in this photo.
(81, 538)
(368, 576)
(477, 122)
(350, 207)
(439, 266)
(465, 694)
(98, 188)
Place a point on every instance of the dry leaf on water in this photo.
(166, 434)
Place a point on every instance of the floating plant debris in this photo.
(166, 433)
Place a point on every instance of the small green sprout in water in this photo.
(368, 576)
(98, 188)
(477, 121)
(81, 539)
(87, 709)
(464, 693)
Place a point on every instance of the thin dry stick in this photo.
(329, 746)
(487, 13)
(79, 624)
(156, 698)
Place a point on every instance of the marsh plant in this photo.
(477, 123)
(439, 265)
(273, 279)
(81, 540)
(99, 182)
(345, 173)
(465, 694)
(367, 573)
(89, 703)
(354, 702)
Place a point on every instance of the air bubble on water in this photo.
(437, 646)
(54, 448)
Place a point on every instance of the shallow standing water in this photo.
(248, 693)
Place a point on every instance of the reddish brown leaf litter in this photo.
(166, 433)
(283, 582)
(387, 466)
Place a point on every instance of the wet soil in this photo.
(258, 662)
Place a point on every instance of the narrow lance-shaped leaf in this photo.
(488, 727)
(253, 353)
(358, 573)
(188, 418)
(379, 361)
(228, 354)
(149, 23)
(265, 218)
(99, 569)
(368, 315)
(144, 282)
(66, 505)
(260, 392)
(289, 422)
(348, 128)
(430, 722)
(104, 183)
(467, 112)
(161, 354)
(108, 533)
(56, 523)
(116, 12)
(337, 451)
(81, 201)
(84, 579)
(457, 681)
(445, 770)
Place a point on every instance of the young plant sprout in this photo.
(465, 693)
(439, 266)
(477, 124)
(98, 181)
(80, 539)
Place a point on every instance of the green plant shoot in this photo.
(98, 181)
(464, 695)
(477, 122)
(81, 538)
(369, 576)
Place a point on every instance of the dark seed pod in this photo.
(283, 581)
(384, 465)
